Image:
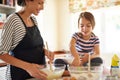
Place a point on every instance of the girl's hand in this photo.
(84, 59)
(34, 71)
(76, 62)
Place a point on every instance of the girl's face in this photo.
(85, 27)
(35, 6)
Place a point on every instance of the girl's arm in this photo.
(95, 54)
(72, 48)
(96, 51)
(76, 61)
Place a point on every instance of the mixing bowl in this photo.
(82, 73)
(55, 72)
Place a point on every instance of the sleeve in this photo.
(96, 42)
(6, 36)
(75, 36)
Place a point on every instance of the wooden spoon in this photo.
(49, 61)
(89, 66)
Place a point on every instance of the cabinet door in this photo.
(7, 9)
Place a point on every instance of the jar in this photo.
(111, 78)
(114, 70)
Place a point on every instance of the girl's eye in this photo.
(81, 25)
(88, 26)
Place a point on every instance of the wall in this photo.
(56, 24)
(50, 24)
(63, 25)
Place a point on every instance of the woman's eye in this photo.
(81, 26)
(41, 3)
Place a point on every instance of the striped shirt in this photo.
(85, 46)
(12, 33)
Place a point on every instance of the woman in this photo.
(85, 42)
(21, 43)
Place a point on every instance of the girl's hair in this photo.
(89, 16)
(22, 2)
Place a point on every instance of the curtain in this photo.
(82, 5)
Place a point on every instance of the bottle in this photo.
(115, 65)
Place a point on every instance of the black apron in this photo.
(29, 49)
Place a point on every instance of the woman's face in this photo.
(35, 6)
(85, 27)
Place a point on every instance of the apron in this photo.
(29, 49)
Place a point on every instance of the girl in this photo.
(85, 42)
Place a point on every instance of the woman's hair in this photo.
(22, 2)
(89, 16)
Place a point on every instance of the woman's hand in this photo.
(34, 71)
(50, 55)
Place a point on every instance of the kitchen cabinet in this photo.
(7, 9)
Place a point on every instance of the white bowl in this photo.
(55, 73)
(82, 73)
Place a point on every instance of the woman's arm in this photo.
(14, 61)
(31, 68)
